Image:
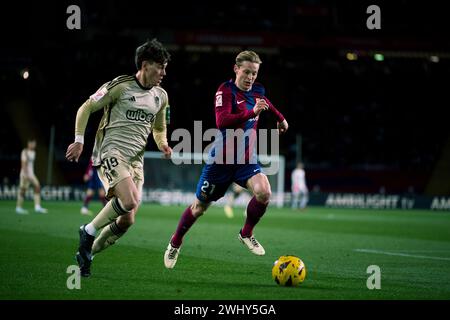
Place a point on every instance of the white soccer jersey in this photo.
(131, 112)
(298, 180)
(28, 156)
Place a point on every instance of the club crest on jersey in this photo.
(99, 94)
(140, 115)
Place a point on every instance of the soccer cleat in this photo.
(85, 211)
(20, 210)
(84, 255)
(228, 211)
(171, 256)
(40, 210)
(252, 244)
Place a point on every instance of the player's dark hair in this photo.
(152, 51)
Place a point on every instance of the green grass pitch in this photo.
(412, 249)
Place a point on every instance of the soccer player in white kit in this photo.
(133, 108)
(298, 188)
(28, 177)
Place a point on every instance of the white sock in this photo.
(90, 229)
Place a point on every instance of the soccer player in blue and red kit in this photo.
(238, 104)
(93, 184)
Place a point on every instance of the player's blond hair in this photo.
(247, 55)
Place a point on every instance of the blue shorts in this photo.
(216, 178)
(94, 182)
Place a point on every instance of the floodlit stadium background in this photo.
(365, 107)
(367, 116)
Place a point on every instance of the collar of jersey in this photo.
(140, 85)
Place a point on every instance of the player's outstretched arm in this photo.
(282, 124)
(76, 148)
(97, 101)
(160, 132)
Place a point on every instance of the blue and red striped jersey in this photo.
(237, 123)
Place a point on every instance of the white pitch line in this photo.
(425, 251)
(401, 254)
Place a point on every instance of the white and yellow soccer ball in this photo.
(288, 271)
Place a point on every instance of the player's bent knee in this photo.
(126, 221)
(263, 195)
(130, 204)
(198, 209)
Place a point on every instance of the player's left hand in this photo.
(167, 151)
(260, 105)
(282, 126)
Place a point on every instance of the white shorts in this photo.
(300, 190)
(115, 168)
(26, 181)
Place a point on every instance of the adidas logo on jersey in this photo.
(132, 99)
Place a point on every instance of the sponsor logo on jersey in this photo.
(140, 115)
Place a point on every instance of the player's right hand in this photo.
(260, 106)
(74, 151)
(167, 151)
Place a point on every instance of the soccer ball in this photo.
(288, 271)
